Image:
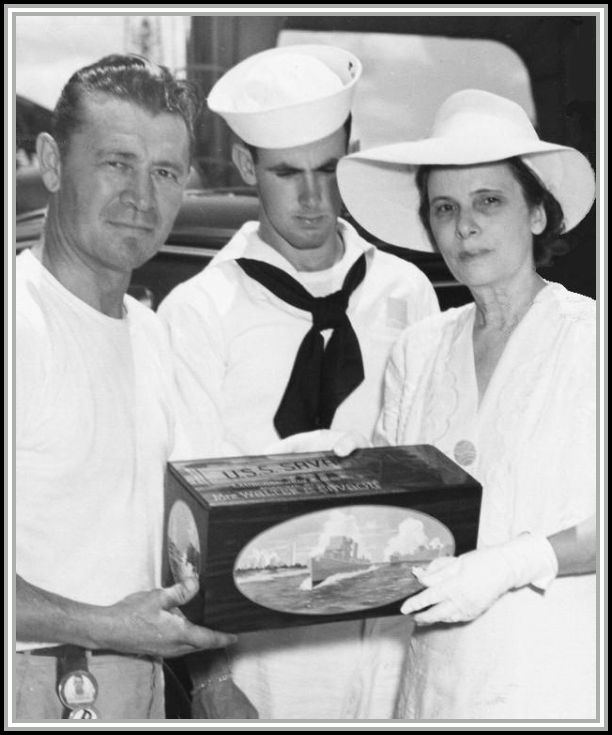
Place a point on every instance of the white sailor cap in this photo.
(289, 96)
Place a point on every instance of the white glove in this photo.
(462, 588)
(342, 443)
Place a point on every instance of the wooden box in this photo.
(297, 539)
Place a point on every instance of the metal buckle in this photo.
(77, 687)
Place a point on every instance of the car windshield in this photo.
(389, 102)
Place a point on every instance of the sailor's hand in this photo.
(341, 443)
(150, 623)
(462, 588)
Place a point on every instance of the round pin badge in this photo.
(464, 452)
(78, 689)
(84, 713)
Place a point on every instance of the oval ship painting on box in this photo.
(340, 560)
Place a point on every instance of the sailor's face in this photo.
(300, 201)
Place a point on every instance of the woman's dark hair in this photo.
(127, 77)
(547, 245)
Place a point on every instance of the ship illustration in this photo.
(340, 556)
(397, 558)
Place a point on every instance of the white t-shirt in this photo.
(94, 428)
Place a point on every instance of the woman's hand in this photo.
(461, 588)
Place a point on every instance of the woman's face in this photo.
(482, 223)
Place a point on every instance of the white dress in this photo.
(532, 654)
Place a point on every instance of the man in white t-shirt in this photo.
(288, 331)
(95, 405)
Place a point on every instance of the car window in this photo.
(389, 102)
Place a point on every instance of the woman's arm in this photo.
(461, 588)
(576, 548)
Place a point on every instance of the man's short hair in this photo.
(133, 79)
(348, 124)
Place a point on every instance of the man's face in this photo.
(121, 183)
(300, 202)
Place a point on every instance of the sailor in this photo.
(288, 331)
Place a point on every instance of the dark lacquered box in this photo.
(297, 539)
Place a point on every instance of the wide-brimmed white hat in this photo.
(471, 127)
(289, 96)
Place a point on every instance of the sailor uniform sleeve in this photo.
(423, 301)
(428, 301)
(197, 344)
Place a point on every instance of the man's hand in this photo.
(342, 443)
(462, 588)
(150, 623)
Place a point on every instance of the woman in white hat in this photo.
(506, 386)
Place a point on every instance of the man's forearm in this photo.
(43, 616)
(143, 623)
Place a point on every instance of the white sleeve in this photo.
(427, 300)
(198, 352)
(29, 377)
(579, 387)
(401, 419)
